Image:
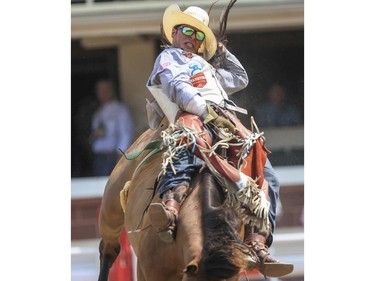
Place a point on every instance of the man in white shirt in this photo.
(112, 128)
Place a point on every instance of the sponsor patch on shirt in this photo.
(198, 80)
(164, 65)
(195, 66)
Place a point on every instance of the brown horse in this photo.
(208, 244)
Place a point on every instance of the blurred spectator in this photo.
(112, 129)
(275, 112)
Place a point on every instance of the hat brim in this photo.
(174, 16)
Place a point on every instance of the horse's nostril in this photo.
(192, 267)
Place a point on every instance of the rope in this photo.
(247, 145)
(242, 200)
(138, 230)
(151, 145)
(173, 138)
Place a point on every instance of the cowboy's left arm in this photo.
(232, 75)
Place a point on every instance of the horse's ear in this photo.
(192, 267)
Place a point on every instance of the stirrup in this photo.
(252, 259)
(163, 220)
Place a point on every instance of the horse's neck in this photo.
(203, 199)
(190, 225)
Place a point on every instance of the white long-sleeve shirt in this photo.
(117, 124)
(189, 81)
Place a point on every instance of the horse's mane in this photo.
(223, 251)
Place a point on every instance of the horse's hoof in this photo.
(276, 269)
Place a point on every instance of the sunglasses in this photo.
(188, 31)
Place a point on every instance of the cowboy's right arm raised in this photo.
(232, 75)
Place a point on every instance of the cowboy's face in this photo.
(185, 42)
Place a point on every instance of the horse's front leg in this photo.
(108, 254)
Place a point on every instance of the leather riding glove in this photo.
(219, 121)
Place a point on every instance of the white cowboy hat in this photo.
(195, 17)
